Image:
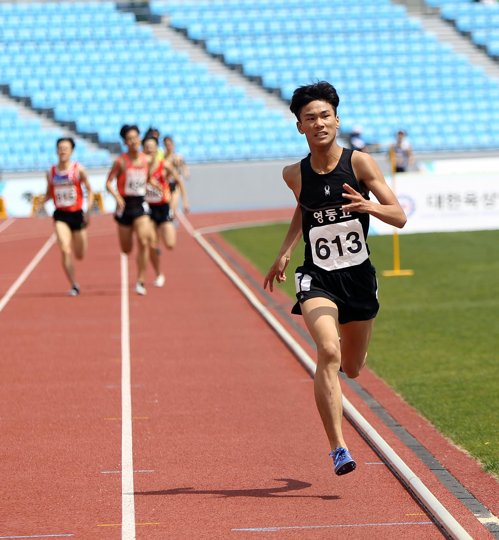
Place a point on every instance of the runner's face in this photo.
(319, 123)
(150, 147)
(64, 150)
(169, 145)
(132, 140)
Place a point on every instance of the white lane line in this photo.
(239, 225)
(136, 471)
(26, 272)
(40, 536)
(127, 487)
(340, 526)
(410, 480)
(5, 225)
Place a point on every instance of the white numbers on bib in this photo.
(65, 196)
(135, 184)
(338, 245)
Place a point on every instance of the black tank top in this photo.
(334, 239)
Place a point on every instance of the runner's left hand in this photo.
(357, 204)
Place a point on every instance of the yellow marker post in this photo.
(38, 206)
(98, 204)
(396, 271)
(3, 209)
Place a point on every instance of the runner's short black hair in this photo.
(321, 90)
(126, 128)
(151, 130)
(70, 140)
(150, 138)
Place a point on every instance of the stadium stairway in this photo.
(197, 53)
(433, 22)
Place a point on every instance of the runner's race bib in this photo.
(135, 183)
(65, 196)
(153, 194)
(338, 245)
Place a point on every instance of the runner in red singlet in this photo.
(180, 166)
(64, 186)
(132, 172)
(159, 203)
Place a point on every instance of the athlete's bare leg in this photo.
(125, 235)
(154, 253)
(355, 337)
(64, 237)
(321, 317)
(144, 231)
(174, 201)
(168, 234)
(80, 243)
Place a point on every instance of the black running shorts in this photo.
(75, 220)
(354, 290)
(135, 207)
(160, 213)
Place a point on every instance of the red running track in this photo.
(226, 439)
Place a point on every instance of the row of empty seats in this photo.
(90, 64)
(104, 75)
(26, 145)
(479, 20)
(373, 52)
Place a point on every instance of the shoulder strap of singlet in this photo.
(75, 171)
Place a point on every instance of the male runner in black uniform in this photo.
(336, 285)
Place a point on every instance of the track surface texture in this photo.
(227, 442)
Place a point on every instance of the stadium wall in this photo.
(445, 195)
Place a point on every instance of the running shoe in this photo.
(74, 291)
(140, 289)
(159, 281)
(343, 462)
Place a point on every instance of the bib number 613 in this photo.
(352, 243)
(338, 245)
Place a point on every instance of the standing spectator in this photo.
(356, 140)
(400, 153)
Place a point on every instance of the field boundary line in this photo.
(6, 224)
(408, 478)
(26, 272)
(127, 487)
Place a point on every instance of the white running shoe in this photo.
(159, 281)
(74, 291)
(140, 289)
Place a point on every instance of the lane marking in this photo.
(5, 225)
(127, 487)
(340, 526)
(16, 237)
(26, 272)
(240, 225)
(399, 468)
(133, 418)
(137, 524)
(136, 471)
(40, 536)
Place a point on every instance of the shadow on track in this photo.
(290, 485)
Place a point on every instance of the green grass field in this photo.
(436, 338)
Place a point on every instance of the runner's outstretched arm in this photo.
(278, 268)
